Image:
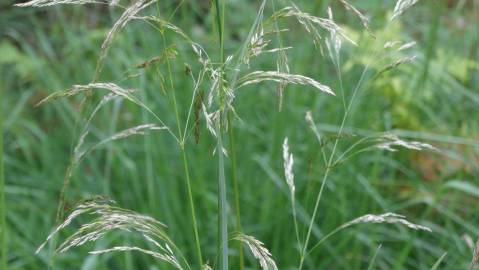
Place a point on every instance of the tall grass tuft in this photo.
(224, 78)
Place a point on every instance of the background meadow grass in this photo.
(434, 99)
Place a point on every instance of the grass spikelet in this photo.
(312, 23)
(127, 15)
(112, 218)
(45, 3)
(138, 130)
(260, 76)
(288, 162)
(390, 141)
(288, 166)
(259, 42)
(309, 119)
(407, 46)
(401, 61)
(78, 89)
(210, 118)
(391, 44)
(364, 20)
(206, 267)
(391, 218)
(114, 89)
(168, 53)
(198, 101)
(161, 24)
(475, 256)
(259, 251)
(401, 6)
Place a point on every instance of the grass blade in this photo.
(438, 262)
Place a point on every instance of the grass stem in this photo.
(185, 161)
(329, 164)
(234, 178)
(3, 208)
(222, 201)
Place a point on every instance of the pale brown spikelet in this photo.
(407, 46)
(390, 142)
(203, 57)
(364, 20)
(310, 121)
(282, 67)
(259, 251)
(111, 87)
(260, 76)
(288, 162)
(78, 89)
(168, 53)
(206, 267)
(137, 130)
(109, 217)
(312, 24)
(391, 44)
(475, 256)
(127, 16)
(197, 104)
(211, 119)
(259, 42)
(401, 6)
(400, 61)
(386, 218)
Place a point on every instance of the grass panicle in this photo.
(475, 256)
(128, 15)
(260, 76)
(390, 218)
(256, 247)
(288, 161)
(112, 218)
(401, 7)
(364, 20)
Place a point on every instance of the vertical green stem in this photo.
(3, 208)
(185, 161)
(222, 202)
(234, 177)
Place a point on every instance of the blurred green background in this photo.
(434, 99)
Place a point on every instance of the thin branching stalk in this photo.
(329, 164)
(222, 201)
(3, 208)
(184, 159)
